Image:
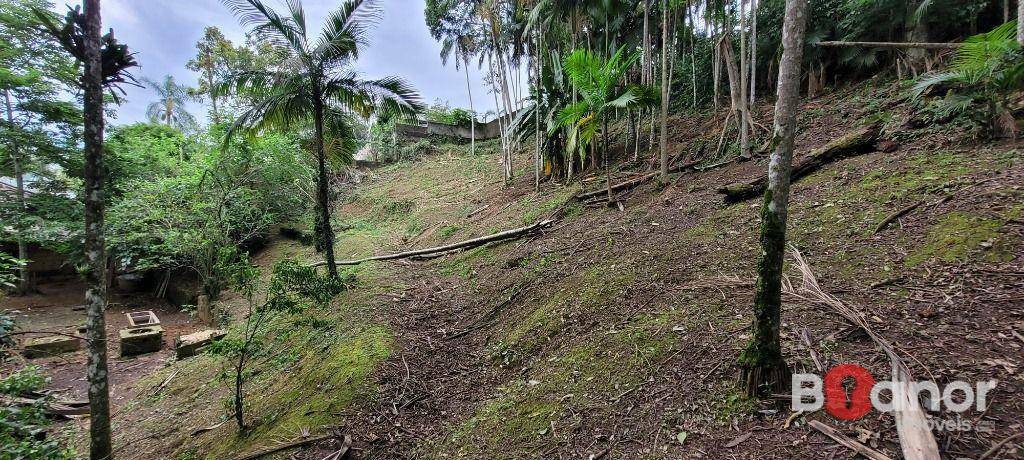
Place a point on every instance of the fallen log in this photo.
(918, 45)
(854, 143)
(472, 243)
(53, 407)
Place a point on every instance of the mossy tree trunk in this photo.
(96, 291)
(324, 229)
(763, 369)
(663, 139)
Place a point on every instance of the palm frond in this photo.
(389, 96)
(347, 30)
(268, 24)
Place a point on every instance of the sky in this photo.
(163, 34)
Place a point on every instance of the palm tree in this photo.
(597, 82)
(314, 83)
(170, 108)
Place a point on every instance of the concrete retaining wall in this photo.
(484, 131)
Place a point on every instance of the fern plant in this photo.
(985, 70)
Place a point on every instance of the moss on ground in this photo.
(960, 237)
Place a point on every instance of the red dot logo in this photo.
(859, 402)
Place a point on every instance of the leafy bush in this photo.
(293, 287)
(220, 202)
(441, 112)
(23, 428)
(985, 70)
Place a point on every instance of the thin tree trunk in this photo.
(744, 72)
(1020, 22)
(753, 52)
(95, 274)
(323, 195)
(607, 162)
(663, 141)
(213, 96)
(764, 371)
(24, 284)
(536, 116)
(716, 68)
(693, 56)
(239, 402)
(472, 120)
(644, 78)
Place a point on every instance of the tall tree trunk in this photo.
(693, 56)
(916, 31)
(1020, 22)
(716, 59)
(744, 72)
(472, 120)
(764, 371)
(663, 141)
(169, 110)
(95, 253)
(24, 282)
(645, 64)
(323, 196)
(753, 51)
(536, 115)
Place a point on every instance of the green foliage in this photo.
(202, 212)
(142, 152)
(23, 381)
(984, 71)
(23, 428)
(8, 270)
(443, 113)
(598, 82)
(292, 289)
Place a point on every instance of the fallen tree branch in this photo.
(999, 445)
(620, 186)
(906, 210)
(853, 445)
(919, 45)
(854, 143)
(916, 439)
(285, 446)
(896, 215)
(472, 243)
(634, 182)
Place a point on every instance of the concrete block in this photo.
(139, 340)
(191, 344)
(52, 345)
(144, 318)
